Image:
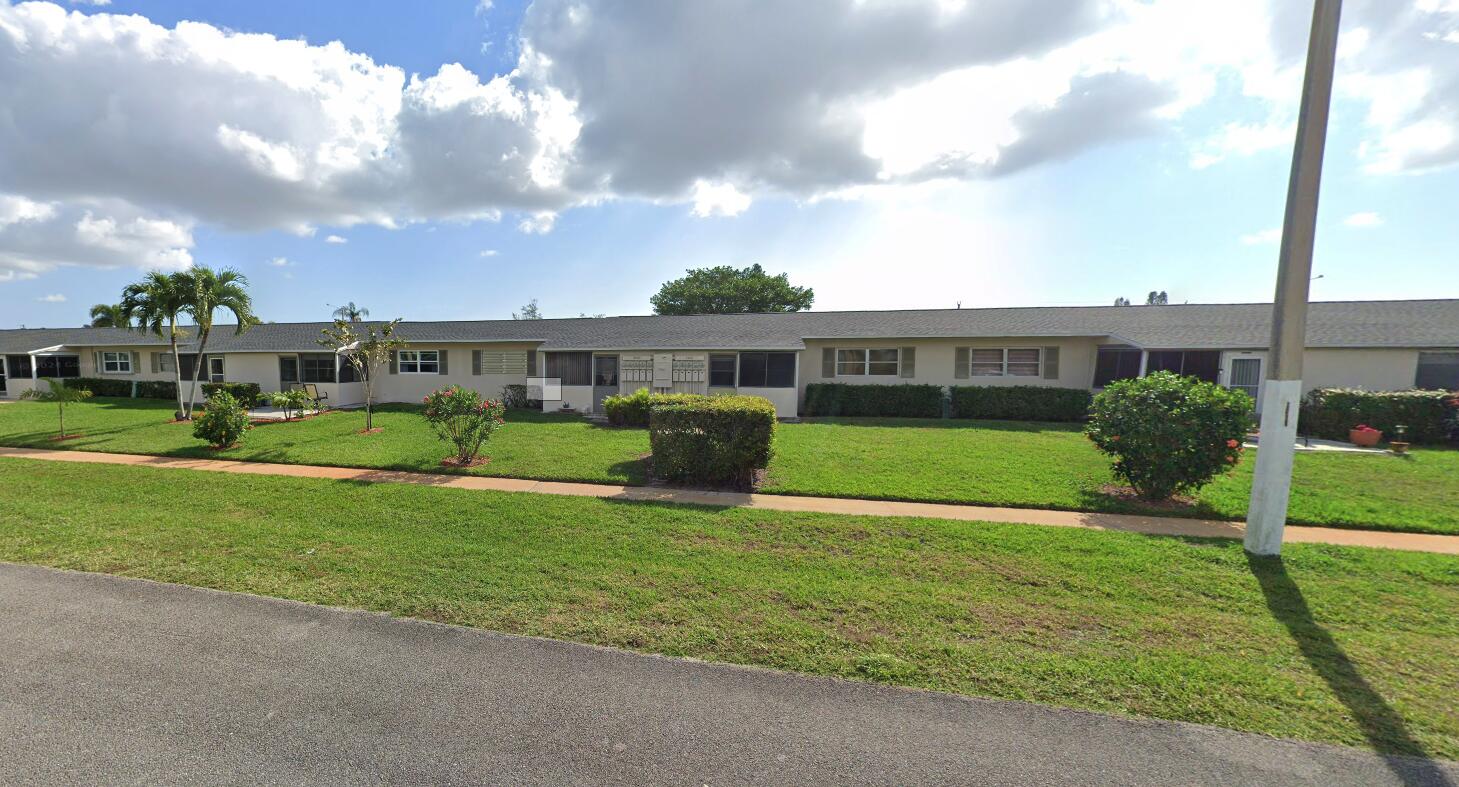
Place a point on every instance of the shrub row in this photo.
(1020, 402)
(633, 409)
(99, 386)
(1330, 412)
(514, 397)
(713, 440)
(247, 394)
(891, 401)
(157, 389)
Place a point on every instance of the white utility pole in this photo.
(1272, 482)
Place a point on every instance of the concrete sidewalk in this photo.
(111, 680)
(1153, 525)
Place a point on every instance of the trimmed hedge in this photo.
(712, 440)
(247, 394)
(1020, 402)
(892, 401)
(633, 409)
(157, 389)
(99, 386)
(1329, 413)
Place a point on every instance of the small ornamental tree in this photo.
(61, 395)
(223, 421)
(1169, 434)
(463, 417)
(366, 347)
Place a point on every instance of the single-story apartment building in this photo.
(1377, 345)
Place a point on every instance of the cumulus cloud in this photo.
(336, 239)
(706, 104)
(1364, 220)
(54, 297)
(1262, 238)
(488, 252)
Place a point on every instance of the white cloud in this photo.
(539, 223)
(706, 104)
(91, 2)
(55, 297)
(337, 239)
(1262, 238)
(1363, 220)
(719, 199)
(488, 252)
(280, 262)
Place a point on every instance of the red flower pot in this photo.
(1364, 438)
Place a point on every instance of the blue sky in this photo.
(1166, 200)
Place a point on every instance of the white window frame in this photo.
(1037, 351)
(116, 362)
(866, 362)
(222, 374)
(166, 362)
(1003, 361)
(418, 361)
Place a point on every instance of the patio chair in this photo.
(313, 391)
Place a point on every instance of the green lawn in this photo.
(984, 462)
(1053, 466)
(543, 446)
(1336, 644)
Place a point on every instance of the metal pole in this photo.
(1272, 481)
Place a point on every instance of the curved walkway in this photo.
(1153, 525)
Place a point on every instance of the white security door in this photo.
(1244, 373)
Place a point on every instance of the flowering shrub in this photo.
(1169, 434)
(224, 421)
(463, 417)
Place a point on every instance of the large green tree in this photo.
(729, 290)
(154, 304)
(212, 291)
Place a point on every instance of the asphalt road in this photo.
(113, 680)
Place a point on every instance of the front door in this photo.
(605, 379)
(1244, 373)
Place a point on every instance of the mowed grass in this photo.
(1029, 465)
(1334, 644)
(543, 446)
(1044, 465)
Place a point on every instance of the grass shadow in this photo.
(1383, 726)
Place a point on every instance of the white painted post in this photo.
(1271, 483)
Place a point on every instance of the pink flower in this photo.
(1232, 444)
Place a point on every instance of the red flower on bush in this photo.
(1232, 443)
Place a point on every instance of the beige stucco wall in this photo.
(260, 368)
(412, 387)
(936, 358)
(1373, 370)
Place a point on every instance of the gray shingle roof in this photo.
(1429, 323)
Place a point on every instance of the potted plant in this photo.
(1364, 436)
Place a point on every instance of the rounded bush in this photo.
(464, 418)
(1169, 434)
(224, 421)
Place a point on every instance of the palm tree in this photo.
(213, 290)
(61, 395)
(108, 315)
(351, 313)
(154, 305)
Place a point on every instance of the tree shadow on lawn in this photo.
(948, 423)
(1383, 726)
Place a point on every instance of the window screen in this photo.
(1438, 370)
(1023, 363)
(722, 371)
(987, 363)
